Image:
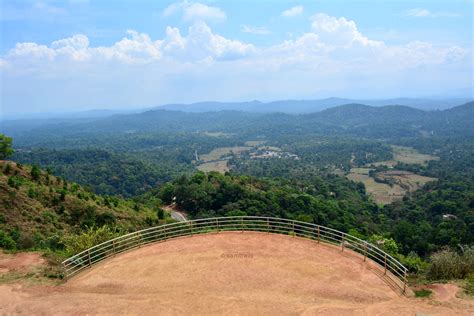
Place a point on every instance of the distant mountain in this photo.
(357, 114)
(353, 119)
(309, 106)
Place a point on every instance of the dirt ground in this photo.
(228, 273)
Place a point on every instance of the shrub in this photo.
(469, 287)
(160, 213)
(6, 242)
(35, 173)
(32, 193)
(448, 264)
(423, 293)
(91, 237)
(106, 218)
(413, 262)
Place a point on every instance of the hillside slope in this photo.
(37, 208)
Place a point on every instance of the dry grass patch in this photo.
(219, 166)
(220, 152)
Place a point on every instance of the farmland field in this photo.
(384, 193)
(219, 166)
(218, 153)
(381, 193)
(406, 155)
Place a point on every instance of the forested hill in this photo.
(350, 119)
(356, 114)
(39, 210)
(309, 106)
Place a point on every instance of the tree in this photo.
(35, 173)
(6, 149)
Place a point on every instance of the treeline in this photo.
(332, 201)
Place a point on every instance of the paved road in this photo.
(178, 216)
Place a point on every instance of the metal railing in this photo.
(390, 268)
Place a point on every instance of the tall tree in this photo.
(6, 149)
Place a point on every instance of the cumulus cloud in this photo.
(339, 31)
(333, 52)
(335, 38)
(424, 13)
(258, 30)
(195, 11)
(292, 12)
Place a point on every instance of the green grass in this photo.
(469, 286)
(423, 293)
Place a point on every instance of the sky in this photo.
(70, 55)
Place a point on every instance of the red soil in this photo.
(227, 273)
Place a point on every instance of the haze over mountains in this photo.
(281, 106)
(350, 119)
(308, 106)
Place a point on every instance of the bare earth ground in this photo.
(229, 273)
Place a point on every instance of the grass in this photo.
(216, 134)
(254, 143)
(406, 155)
(423, 293)
(218, 153)
(411, 156)
(381, 193)
(469, 285)
(219, 166)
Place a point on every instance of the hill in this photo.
(37, 209)
(308, 106)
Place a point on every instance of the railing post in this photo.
(113, 246)
(343, 239)
(89, 256)
(268, 225)
(319, 235)
(192, 231)
(217, 224)
(404, 281)
(65, 276)
(242, 224)
(365, 251)
(385, 264)
(294, 229)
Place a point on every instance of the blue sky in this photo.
(80, 54)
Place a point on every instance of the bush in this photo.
(35, 173)
(448, 264)
(469, 287)
(413, 262)
(91, 237)
(6, 242)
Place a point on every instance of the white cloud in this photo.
(292, 12)
(258, 30)
(339, 31)
(424, 13)
(195, 11)
(332, 54)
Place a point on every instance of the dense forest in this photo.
(291, 166)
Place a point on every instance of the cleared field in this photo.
(219, 166)
(220, 152)
(406, 155)
(254, 143)
(216, 134)
(227, 273)
(381, 193)
(408, 180)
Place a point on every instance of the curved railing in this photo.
(390, 268)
